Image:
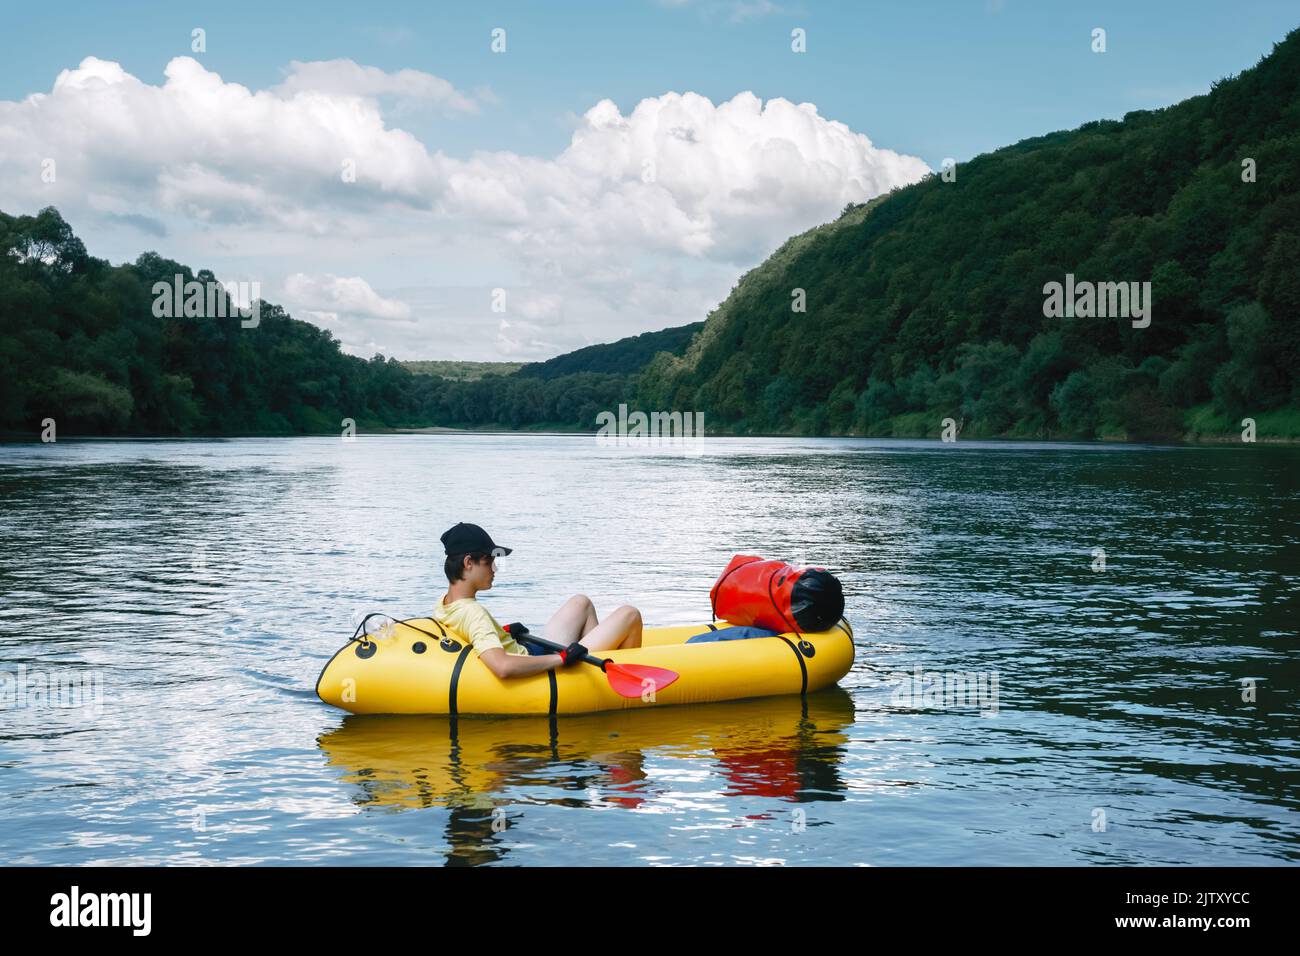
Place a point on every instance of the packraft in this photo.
(420, 666)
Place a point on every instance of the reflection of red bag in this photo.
(766, 773)
(774, 595)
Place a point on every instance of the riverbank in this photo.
(1203, 426)
(1234, 438)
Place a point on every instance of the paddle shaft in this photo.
(552, 646)
(626, 680)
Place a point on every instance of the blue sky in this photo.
(924, 81)
(932, 79)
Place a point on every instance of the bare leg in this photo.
(573, 621)
(620, 629)
(592, 621)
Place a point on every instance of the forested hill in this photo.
(929, 303)
(80, 344)
(623, 357)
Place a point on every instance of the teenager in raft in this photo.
(471, 566)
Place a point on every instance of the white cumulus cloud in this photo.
(644, 220)
(350, 294)
(347, 78)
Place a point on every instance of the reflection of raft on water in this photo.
(419, 667)
(781, 748)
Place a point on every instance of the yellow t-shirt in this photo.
(472, 619)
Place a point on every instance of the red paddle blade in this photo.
(638, 680)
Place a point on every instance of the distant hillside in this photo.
(455, 371)
(621, 358)
(929, 303)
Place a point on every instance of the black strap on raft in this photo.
(358, 634)
(455, 679)
(803, 668)
(793, 630)
(442, 633)
(520, 633)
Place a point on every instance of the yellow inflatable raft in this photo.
(421, 667)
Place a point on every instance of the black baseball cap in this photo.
(471, 539)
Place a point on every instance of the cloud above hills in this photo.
(317, 169)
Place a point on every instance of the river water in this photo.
(1131, 611)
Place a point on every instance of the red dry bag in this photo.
(777, 596)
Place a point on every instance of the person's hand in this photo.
(573, 653)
